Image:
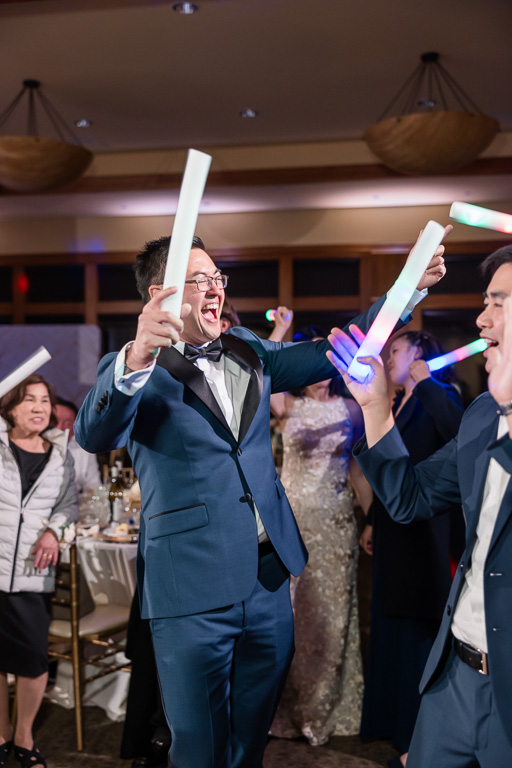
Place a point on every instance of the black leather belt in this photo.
(473, 657)
(265, 548)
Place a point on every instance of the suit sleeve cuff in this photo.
(130, 383)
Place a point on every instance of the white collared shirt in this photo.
(469, 616)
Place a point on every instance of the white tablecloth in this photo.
(109, 568)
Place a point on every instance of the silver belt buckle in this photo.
(485, 666)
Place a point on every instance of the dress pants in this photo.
(458, 725)
(221, 674)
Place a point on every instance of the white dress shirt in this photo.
(469, 616)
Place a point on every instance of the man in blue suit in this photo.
(465, 718)
(218, 539)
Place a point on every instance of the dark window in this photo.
(323, 320)
(117, 282)
(55, 283)
(5, 284)
(462, 274)
(117, 330)
(251, 279)
(326, 277)
(54, 319)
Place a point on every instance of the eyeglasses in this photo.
(205, 283)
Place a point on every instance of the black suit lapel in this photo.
(186, 372)
(242, 352)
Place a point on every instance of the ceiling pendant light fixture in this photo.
(425, 137)
(34, 163)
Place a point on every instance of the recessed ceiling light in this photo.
(185, 8)
(248, 113)
(83, 123)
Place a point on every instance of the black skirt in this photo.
(24, 624)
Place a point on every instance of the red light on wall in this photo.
(23, 283)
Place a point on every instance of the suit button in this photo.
(448, 610)
(462, 566)
(105, 394)
(98, 408)
(239, 451)
(248, 496)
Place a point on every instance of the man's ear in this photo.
(153, 290)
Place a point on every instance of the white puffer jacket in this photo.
(50, 503)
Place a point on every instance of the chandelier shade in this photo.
(34, 163)
(424, 136)
(427, 143)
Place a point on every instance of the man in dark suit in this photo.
(218, 539)
(465, 718)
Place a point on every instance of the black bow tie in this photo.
(212, 351)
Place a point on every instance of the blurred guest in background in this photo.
(37, 500)
(323, 691)
(411, 564)
(87, 473)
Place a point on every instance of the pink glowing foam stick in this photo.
(270, 314)
(397, 299)
(31, 364)
(458, 354)
(191, 193)
(476, 216)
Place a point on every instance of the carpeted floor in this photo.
(55, 735)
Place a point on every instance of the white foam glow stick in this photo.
(397, 299)
(191, 193)
(31, 364)
(457, 354)
(476, 216)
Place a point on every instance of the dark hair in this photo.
(430, 347)
(150, 264)
(66, 403)
(229, 312)
(337, 386)
(13, 398)
(495, 260)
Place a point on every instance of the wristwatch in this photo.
(504, 409)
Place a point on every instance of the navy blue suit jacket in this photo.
(198, 539)
(453, 475)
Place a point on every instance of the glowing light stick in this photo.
(458, 354)
(191, 193)
(397, 299)
(31, 364)
(476, 216)
(270, 314)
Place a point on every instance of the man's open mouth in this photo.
(210, 312)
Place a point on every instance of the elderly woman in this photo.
(37, 499)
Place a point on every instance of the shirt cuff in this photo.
(413, 302)
(130, 383)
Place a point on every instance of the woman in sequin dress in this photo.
(323, 692)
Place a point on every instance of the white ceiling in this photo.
(315, 70)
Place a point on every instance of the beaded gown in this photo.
(323, 692)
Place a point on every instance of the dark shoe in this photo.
(141, 762)
(29, 757)
(159, 750)
(5, 750)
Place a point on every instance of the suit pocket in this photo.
(177, 521)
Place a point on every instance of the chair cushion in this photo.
(103, 618)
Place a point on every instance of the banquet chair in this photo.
(92, 639)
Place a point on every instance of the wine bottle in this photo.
(115, 495)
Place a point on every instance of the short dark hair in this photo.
(67, 404)
(495, 260)
(13, 398)
(150, 264)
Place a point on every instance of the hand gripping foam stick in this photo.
(191, 193)
(397, 299)
(31, 364)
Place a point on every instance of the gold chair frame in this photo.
(98, 629)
